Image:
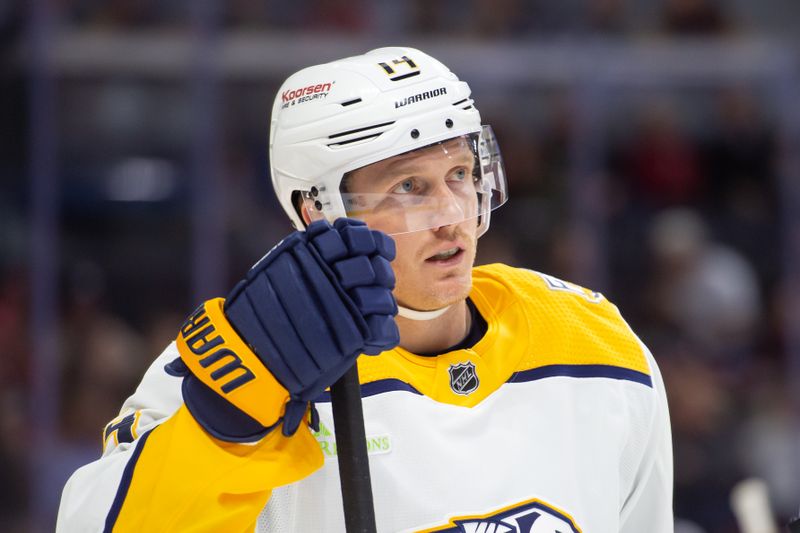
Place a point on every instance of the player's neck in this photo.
(438, 334)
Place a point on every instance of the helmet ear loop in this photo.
(483, 192)
(484, 209)
(310, 208)
(483, 217)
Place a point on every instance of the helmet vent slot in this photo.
(364, 138)
(467, 101)
(404, 76)
(350, 102)
(357, 130)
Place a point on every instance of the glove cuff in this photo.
(218, 417)
(221, 361)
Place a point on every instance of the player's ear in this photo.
(305, 213)
(303, 207)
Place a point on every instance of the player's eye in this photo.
(460, 174)
(404, 187)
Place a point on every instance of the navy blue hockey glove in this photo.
(306, 311)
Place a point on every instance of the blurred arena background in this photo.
(652, 148)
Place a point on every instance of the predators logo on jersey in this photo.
(531, 516)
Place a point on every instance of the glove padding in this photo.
(308, 309)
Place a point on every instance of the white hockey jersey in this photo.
(555, 421)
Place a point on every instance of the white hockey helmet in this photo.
(331, 119)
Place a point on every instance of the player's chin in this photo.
(453, 288)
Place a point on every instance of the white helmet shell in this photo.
(332, 118)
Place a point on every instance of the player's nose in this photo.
(447, 209)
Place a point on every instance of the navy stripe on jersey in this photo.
(375, 387)
(581, 371)
(124, 484)
(550, 371)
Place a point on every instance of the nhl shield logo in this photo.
(463, 379)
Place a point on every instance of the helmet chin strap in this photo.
(413, 314)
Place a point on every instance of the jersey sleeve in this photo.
(648, 503)
(160, 471)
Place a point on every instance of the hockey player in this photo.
(498, 399)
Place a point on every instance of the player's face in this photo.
(434, 265)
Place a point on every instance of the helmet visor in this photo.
(442, 184)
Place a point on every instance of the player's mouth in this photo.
(448, 257)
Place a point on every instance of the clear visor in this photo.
(446, 183)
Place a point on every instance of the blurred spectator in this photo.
(662, 165)
(741, 170)
(254, 221)
(742, 155)
(126, 14)
(160, 330)
(530, 216)
(536, 154)
(14, 460)
(14, 335)
(15, 428)
(437, 17)
(768, 444)
(330, 15)
(707, 290)
(247, 15)
(694, 18)
(498, 19)
(104, 358)
(703, 412)
(607, 17)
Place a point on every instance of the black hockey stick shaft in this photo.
(351, 451)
